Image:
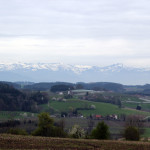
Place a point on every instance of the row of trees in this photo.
(47, 127)
(101, 98)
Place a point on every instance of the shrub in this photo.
(17, 131)
(132, 133)
(101, 131)
(46, 127)
(77, 132)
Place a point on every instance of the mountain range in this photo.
(52, 72)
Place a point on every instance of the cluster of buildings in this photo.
(61, 99)
(108, 117)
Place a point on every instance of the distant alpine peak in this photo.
(54, 66)
(45, 72)
(65, 67)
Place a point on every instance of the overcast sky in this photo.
(93, 32)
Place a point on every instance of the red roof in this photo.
(98, 116)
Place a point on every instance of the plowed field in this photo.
(30, 142)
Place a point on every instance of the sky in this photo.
(87, 32)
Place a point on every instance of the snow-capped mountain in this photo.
(48, 72)
(41, 66)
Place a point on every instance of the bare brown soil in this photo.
(30, 142)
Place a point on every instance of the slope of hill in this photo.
(82, 105)
(12, 99)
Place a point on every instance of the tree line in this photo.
(48, 128)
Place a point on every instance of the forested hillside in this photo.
(12, 99)
(92, 86)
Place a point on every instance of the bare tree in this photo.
(90, 126)
(61, 124)
(135, 121)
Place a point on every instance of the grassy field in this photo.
(134, 105)
(29, 142)
(130, 98)
(101, 108)
(146, 133)
(8, 115)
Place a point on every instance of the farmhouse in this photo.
(98, 117)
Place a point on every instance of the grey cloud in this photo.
(75, 18)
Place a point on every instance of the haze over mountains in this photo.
(51, 72)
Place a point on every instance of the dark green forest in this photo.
(12, 99)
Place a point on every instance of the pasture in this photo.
(101, 108)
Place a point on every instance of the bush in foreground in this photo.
(46, 127)
(77, 132)
(132, 134)
(101, 131)
(17, 131)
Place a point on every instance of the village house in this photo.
(97, 117)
